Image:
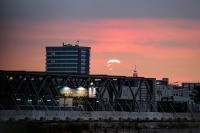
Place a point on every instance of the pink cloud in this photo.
(159, 44)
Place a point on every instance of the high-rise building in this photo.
(71, 59)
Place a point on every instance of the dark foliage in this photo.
(22, 128)
(74, 127)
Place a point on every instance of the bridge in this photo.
(35, 95)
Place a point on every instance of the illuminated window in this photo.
(29, 102)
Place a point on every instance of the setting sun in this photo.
(113, 60)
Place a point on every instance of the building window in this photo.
(82, 71)
(83, 50)
(82, 57)
(82, 65)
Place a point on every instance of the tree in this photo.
(195, 96)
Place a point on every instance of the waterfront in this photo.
(99, 127)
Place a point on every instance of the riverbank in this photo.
(100, 127)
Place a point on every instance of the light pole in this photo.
(92, 90)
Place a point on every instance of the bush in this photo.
(75, 127)
(174, 125)
(137, 126)
(22, 128)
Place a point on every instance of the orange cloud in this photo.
(159, 47)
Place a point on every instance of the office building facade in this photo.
(69, 59)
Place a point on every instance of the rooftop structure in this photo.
(135, 74)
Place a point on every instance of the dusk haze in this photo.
(162, 38)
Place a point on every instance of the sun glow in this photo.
(112, 64)
(113, 61)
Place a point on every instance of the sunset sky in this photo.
(161, 37)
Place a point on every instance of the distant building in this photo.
(169, 93)
(72, 59)
(164, 81)
(189, 86)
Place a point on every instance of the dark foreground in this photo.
(100, 127)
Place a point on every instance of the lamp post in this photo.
(92, 90)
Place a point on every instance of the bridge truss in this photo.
(18, 88)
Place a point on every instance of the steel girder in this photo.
(38, 84)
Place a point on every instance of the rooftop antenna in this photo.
(77, 42)
(135, 69)
(135, 74)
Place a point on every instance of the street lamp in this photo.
(92, 90)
